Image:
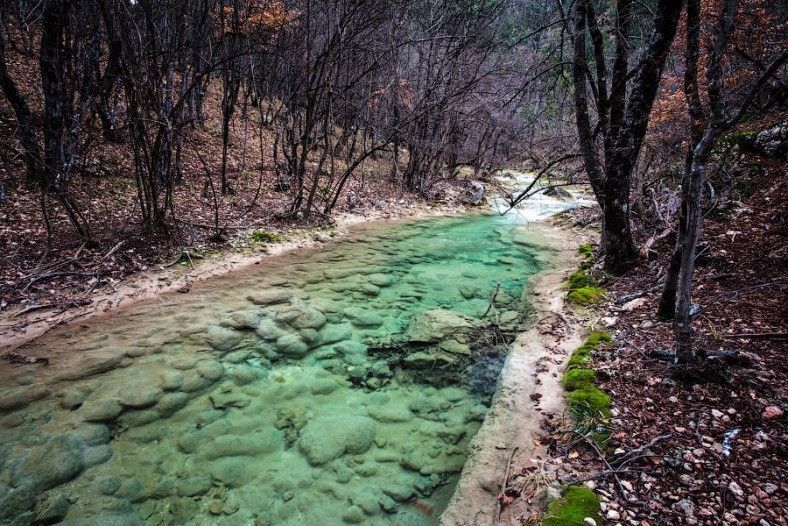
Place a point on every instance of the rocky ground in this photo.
(704, 445)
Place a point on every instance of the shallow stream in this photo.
(329, 386)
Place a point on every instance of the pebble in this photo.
(736, 489)
(772, 412)
(613, 515)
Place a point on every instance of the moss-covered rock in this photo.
(582, 355)
(576, 503)
(587, 403)
(580, 279)
(584, 289)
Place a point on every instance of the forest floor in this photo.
(705, 445)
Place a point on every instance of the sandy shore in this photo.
(506, 442)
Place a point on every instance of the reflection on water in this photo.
(321, 387)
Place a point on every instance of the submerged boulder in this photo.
(326, 438)
(270, 297)
(436, 325)
(49, 465)
(221, 338)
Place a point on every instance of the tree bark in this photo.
(32, 150)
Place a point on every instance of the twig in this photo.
(55, 275)
(504, 484)
(115, 248)
(636, 295)
(632, 454)
(492, 299)
(33, 308)
(601, 456)
(759, 335)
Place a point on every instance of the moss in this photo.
(586, 250)
(262, 236)
(575, 379)
(596, 338)
(589, 401)
(579, 359)
(582, 355)
(583, 289)
(576, 503)
(586, 295)
(580, 279)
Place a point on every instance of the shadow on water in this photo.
(333, 386)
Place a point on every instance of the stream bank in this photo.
(529, 386)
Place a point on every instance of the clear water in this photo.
(312, 404)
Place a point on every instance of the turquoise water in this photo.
(331, 386)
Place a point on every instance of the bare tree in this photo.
(706, 127)
(623, 105)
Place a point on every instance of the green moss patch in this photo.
(587, 403)
(584, 289)
(586, 250)
(582, 355)
(576, 503)
(578, 378)
(580, 279)
(262, 236)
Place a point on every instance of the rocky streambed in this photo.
(319, 387)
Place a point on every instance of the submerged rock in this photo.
(291, 345)
(326, 438)
(363, 317)
(270, 297)
(241, 446)
(210, 370)
(51, 508)
(139, 393)
(43, 467)
(334, 333)
(194, 484)
(101, 410)
(435, 325)
(222, 339)
(20, 397)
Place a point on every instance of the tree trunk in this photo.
(32, 150)
(667, 304)
(683, 322)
